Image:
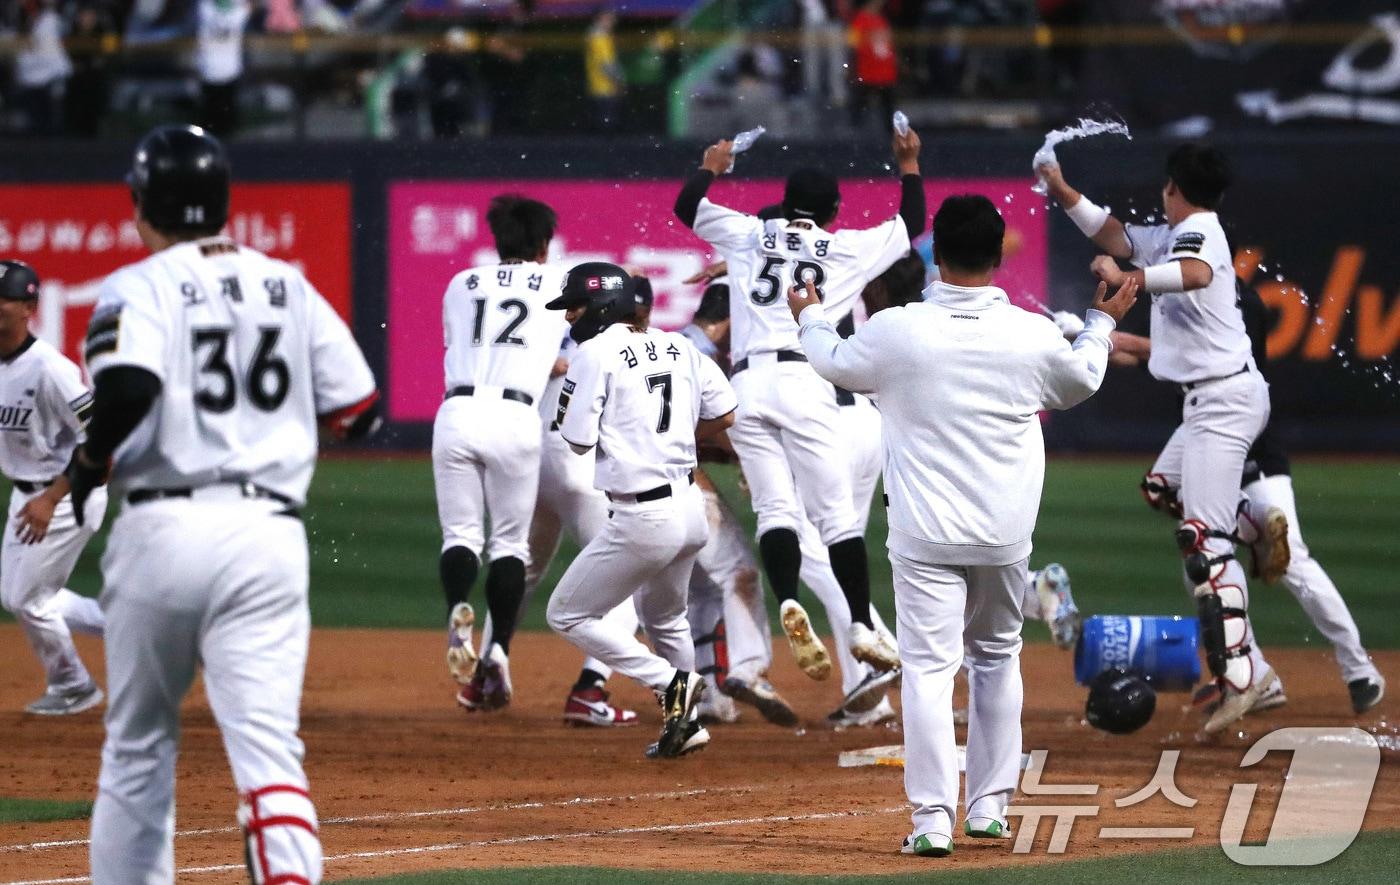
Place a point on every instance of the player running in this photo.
(785, 433)
(213, 365)
(1199, 344)
(640, 398)
(44, 406)
(501, 345)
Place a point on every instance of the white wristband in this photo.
(1163, 277)
(1088, 217)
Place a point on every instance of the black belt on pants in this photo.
(29, 487)
(519, 396)
(655, 494)
(1192, 385)
(784, 356)
(248, 489)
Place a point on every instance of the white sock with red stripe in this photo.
(279, 824)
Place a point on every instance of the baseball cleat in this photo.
(678, 703)
(1235, 704)
(873, 648)
(1057, 605)
(461, 657)
(871, 690)
(66, 703)
(716, 708)
(489, 688)
(806, 647)
(1270, 551)
(760, 693)
(986, 828)
(1207, 698)
(696, 738)
(1366, 693)
(590, 706)
(928, 845)
(842, 719)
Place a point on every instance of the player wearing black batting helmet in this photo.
(179, 180)
(605, 291)
(18, 281)
(1120, 701)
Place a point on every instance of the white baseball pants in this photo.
(486, 462)
(32, 579)
(787, 435)
(566, 502)
(645, 552)
(859, 428)
(725, 585)
(1309, 582)
(1205, 459)
(222, 584)
(946, 614)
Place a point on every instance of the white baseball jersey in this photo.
(637, 396)
(44, 406)
(766, 258)
(497, 330)
(1198, 334)
(248, 354)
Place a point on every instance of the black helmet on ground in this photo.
(1120, 701)
(606, 290)
(180, 180)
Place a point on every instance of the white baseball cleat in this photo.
(842, 719)
(869, 692)
(1057, 605)
(806, 645)
(1234, 704)
(873, 648)
(461, 657)
(66, 703)
(715, 707)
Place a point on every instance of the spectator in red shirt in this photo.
(876, 69)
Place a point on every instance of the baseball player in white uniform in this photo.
(501, 346)
(1268, 486)
(960, 380)
(44, 406)
(785, 433)
(212, 364)
(640, 398)
(1199, 344)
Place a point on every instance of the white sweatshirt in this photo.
(960, 379)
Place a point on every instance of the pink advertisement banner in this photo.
(437, 228)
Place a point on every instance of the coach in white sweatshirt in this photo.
(960, 379)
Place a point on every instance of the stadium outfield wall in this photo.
(380, 227)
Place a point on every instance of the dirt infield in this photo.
(404, 780)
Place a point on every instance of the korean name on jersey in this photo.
(766, 258)
(637, 396)
(497, 330)
(248, 354)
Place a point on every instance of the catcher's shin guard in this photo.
(1159, 495)
(1220, 605)
(281, 842)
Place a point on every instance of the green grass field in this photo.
(42, 810)
(374, 543)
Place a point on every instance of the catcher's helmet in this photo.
(179, 180)
(18, 281)
(1120, 701)
(606, 290)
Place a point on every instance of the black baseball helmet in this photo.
(1120, 701)
(606, 290)
(18, 281)
(180, 179)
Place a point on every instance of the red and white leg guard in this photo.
(279, 827)
(1222, 601)
(1159, 494)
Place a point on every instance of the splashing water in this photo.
(1083, 129)
(744, 140)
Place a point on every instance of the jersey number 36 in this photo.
(266, 380)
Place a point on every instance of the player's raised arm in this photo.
(1093, 221)
(913, 207)
(717, 160)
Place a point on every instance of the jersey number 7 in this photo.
(663, 381)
